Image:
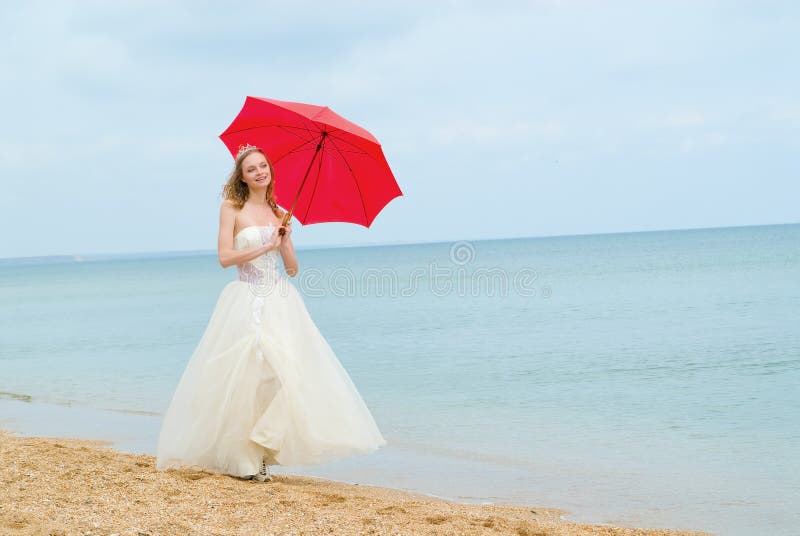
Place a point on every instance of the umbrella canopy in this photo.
(326, 168)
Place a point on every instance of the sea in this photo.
(647, 379)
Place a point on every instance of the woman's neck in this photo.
(257, 198)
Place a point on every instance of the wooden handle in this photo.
(286, 218)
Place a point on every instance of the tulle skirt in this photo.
(263, 382)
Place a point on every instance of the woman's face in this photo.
(255, 170)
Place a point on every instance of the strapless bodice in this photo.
(263, 272)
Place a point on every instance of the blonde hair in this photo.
(236, 189)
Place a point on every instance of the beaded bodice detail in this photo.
(262, 273)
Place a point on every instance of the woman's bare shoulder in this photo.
(228, 206)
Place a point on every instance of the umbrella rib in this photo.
(305, 122)
(301, 148)
(314, 135)
(353, 152)
(358, 151)
(283, 128)
(318, 131)
(351, 144)
(294, 150)
(333, 130)
(358, 187)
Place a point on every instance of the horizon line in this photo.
(81, 257)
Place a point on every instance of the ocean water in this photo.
(646, 379)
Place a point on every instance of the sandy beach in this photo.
(54, 486)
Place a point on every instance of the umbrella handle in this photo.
(286, 218)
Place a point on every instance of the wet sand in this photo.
(78, 487)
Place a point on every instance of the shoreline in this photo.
(65, 486)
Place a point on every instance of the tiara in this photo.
(245, 148)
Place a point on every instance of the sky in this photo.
(498, 119)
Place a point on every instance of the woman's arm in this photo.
(287, 252)
(225, 252)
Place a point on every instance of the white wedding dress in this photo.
(263, 382)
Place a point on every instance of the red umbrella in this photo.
(332, 169)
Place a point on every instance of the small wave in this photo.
(133, 411)
(16, 396)
(8, 395)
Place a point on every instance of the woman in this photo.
(263, 387)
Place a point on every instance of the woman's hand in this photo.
(274, 241)
(287, 251)
(287, 230)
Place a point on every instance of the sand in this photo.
(76, 487)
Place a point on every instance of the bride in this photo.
(263, 387)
